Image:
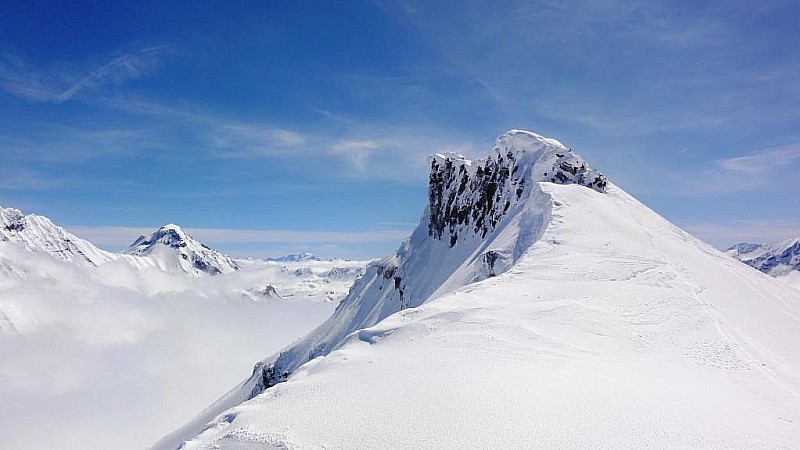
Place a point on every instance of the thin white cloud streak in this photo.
(746, 173)
(131, 66)
(358, 151)
(761, 163)
(62, 144)
(21, 80)
(248, 140)
(398, 154)
(342, 147)
(21, 179)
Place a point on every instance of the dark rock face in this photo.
(466, 199)
(458, 199)
(166, 236)
(202, 265)
(567, 172)
(16, 221)
(264, 291)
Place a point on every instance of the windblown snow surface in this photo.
(574, 317)
(118, 353)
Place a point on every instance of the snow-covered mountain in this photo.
(174, 249)
(305, 256)
(39, 234)
(536, 305)
(776, 259)
(168, 248)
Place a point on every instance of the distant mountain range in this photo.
(776, 259)
(168, 248)
(305, 256)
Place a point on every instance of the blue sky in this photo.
(274, 127)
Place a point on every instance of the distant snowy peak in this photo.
(39, 234)
(297, 257)
(777, 258)
(471, 197)
(179, 250)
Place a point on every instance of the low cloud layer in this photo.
(108, 358)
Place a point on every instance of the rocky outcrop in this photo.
(472, 197)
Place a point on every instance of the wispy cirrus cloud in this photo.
(19, 78)
(69, 145)
(344, 147)
(398, 154)
(247, 140)
(763, 162)
(747, 173)
(358, 152)
(130, 66)
(22, 179)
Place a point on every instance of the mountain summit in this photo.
(535, 305)
(174, 248)
(39, 234)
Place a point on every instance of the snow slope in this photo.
(574, 317)
(39, 234)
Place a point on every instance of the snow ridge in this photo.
(39, 234)
(596, 324)
(481, 217)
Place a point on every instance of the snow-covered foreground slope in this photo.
(115, 356)
(581, 319)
